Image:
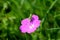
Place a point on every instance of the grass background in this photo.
(13, 11)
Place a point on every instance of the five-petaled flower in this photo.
(30, 25)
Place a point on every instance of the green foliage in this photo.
(13, 11)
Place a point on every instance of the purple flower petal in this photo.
(25, 21)
(30, 25)
(31, 28)
(35, 17)
(37, 23)
(24, 28)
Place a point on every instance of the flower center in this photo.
(32, 19)
(31, 26)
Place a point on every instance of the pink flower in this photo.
(30, 25)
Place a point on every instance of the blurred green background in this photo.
(13, 11)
